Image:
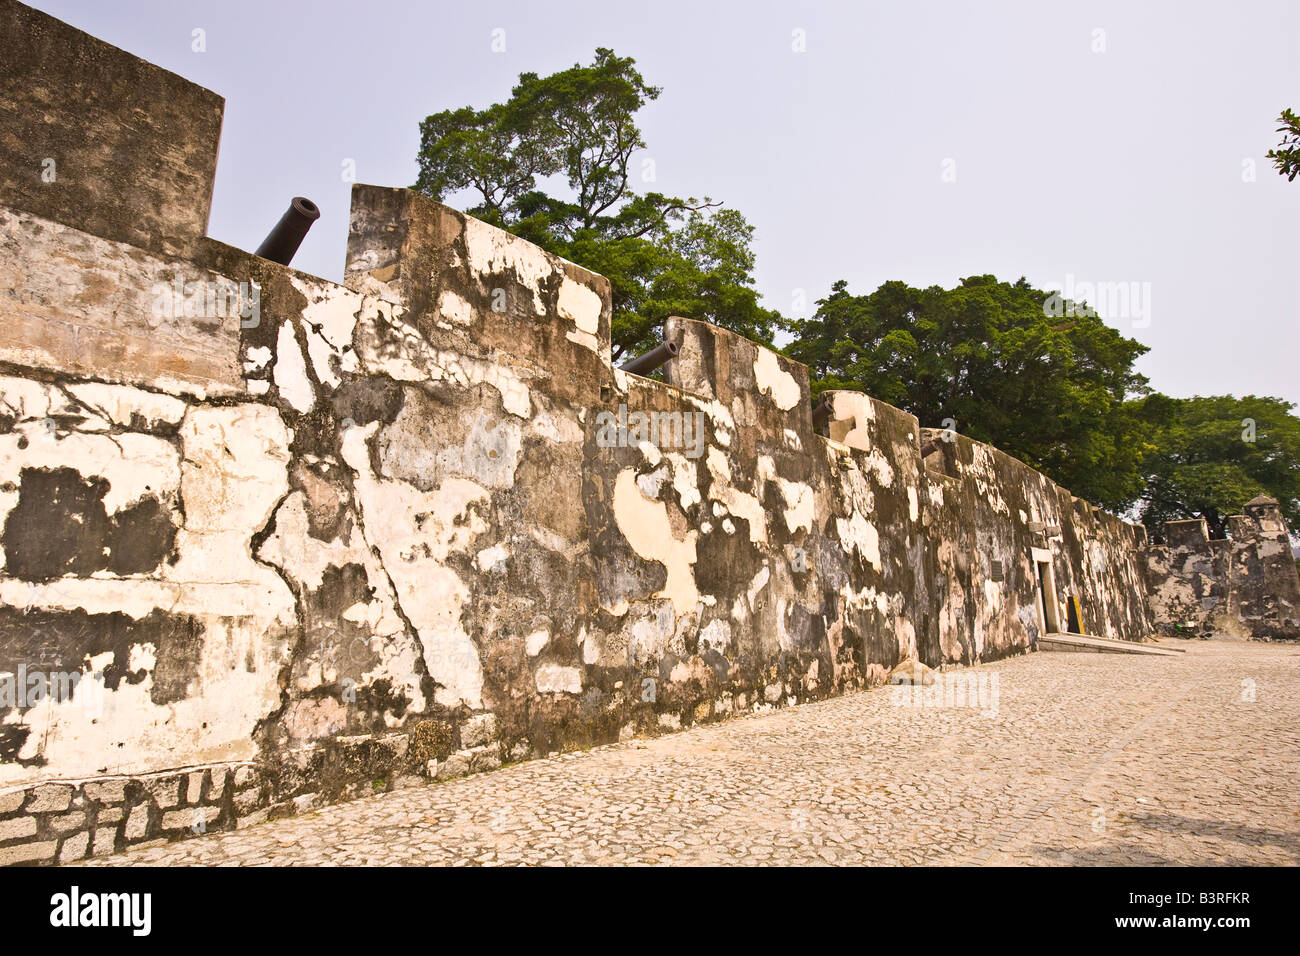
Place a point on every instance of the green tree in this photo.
(1208, 456)
(663, 255)
(1011, 365)
(1287, 155)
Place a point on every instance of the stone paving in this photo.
(1075, 759)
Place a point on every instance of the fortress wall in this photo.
(1243, 586)
(993, 519)
(1104, 558)
(343, 538)
(399, 535)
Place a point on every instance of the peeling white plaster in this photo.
(135, 465)
(799, 502)
(123, 404)
(723, 423)
(328, 322)
(591, 647)
(757, 584)
(716, 636)
(742, 505)
(256, 358)
(857, 532)
(492, 559)
(581, 306)
(650, 483)
(535, 642)
(649, 631)
(992, 596)
(852, 405)
(560, 429)
(414, 359)
(646, 526)
(771, 378)
(718, 465)
(232, 475)
(455, 309)
(415, 532)
(555, 679)
(492, 251)
(291, 371)
(685, 481)
(738, 503)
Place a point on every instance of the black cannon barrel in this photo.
(645, 364)
(822, 412)
(283, 241)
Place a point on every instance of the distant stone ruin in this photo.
(1244, 585)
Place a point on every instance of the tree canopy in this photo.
(1208, 456)
(1287, 155)
(986, 355)
(662, 255)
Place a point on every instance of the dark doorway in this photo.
(1047, 598)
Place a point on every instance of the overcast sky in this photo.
(925, 142)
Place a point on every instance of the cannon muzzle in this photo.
(283, 241)
(645, 364)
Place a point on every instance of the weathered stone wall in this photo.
(991, 519)
(391, 531)
(1243, 586)
(351, 537)
(93, 136)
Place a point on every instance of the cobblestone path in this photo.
(1074, 759)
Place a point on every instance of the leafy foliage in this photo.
(663, 255)
(1201, 464)
(1051, 391)
(1287, 155)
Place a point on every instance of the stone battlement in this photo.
(1244, 585)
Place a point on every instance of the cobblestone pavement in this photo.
(1086, 759)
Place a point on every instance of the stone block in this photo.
(252, 819)
(104, 842)
(137, 823)
(28, 853)
(17, 828)
(74, 847)
(50, 798)
(456, 765)
(106, 791)
(194, 786)
(190, 818)
(305, 802)
(165, 791)
(68, 822)
(478, 730)
(217, 790)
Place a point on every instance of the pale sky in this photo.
(924, 142)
